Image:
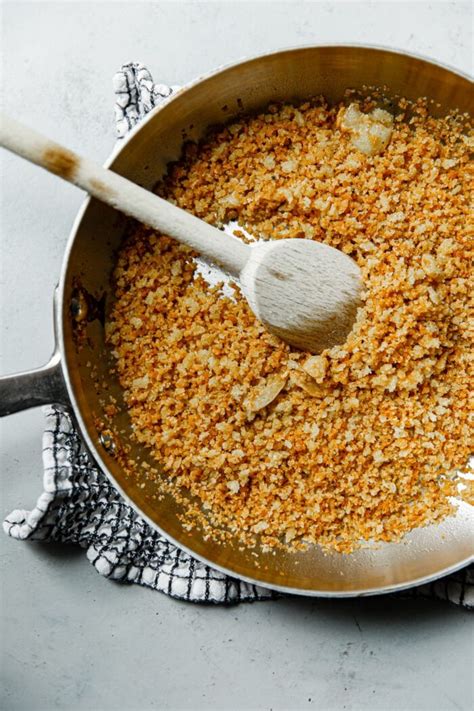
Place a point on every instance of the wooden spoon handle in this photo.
(111, 188)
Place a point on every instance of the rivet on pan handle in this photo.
(42, 386)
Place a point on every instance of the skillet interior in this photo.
(288, 75)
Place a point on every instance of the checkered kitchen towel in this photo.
(79, 505)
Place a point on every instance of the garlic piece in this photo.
(369, 133)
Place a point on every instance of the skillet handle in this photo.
(32, 388)
(41, 386)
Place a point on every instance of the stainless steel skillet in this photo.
(84, 293)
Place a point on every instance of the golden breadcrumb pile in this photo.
(363, 441)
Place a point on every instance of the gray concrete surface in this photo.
(70, 639)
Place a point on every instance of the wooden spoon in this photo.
(305, 292)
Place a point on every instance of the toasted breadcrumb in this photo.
(364, 441)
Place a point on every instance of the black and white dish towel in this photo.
(80, 506)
